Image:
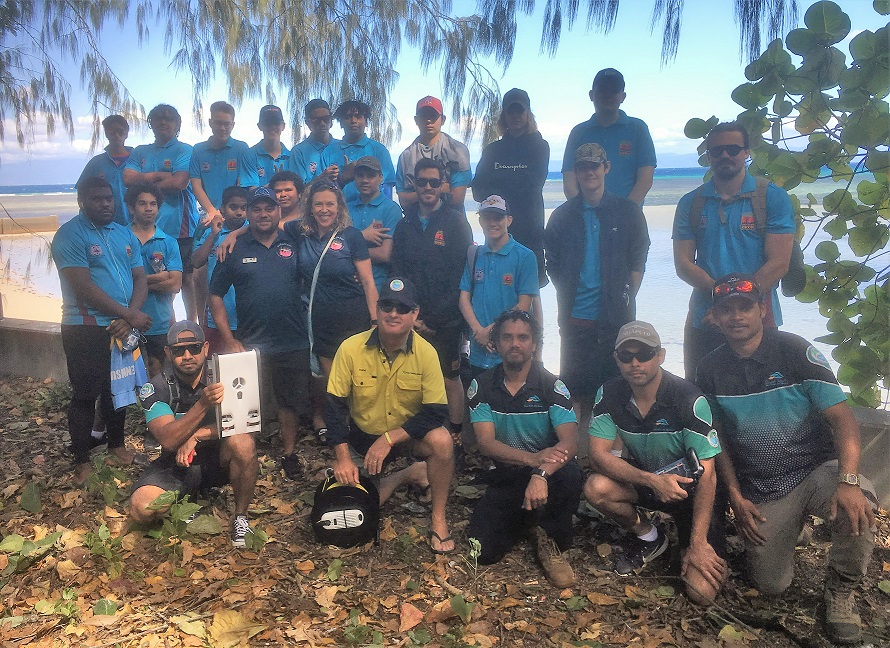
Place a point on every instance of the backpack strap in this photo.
(472, 254)
(172, 391)
(695, 209)
(758, 203)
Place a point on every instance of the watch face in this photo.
(849, 478)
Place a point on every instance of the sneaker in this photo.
(640, 553)
(150, 444)
(557, 569)
(240, 528)
(841, 619)
(291, 466)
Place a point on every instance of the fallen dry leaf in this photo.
(230, 628)
(409, 616)
(601, 599)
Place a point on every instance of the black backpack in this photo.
(795, 280)
(346, 516)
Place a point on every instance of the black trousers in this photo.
(88, 354)
(499, 521)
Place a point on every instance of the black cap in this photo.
(271, 115)
(736, 284)
(516, 96)
(400, 290)
(315, 104)
(611, 80)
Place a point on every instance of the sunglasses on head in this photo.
(193, 349)
(732, 149)
(435, 183)
(743, 287)
(643, 355)
(388, 306)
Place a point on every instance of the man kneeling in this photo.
(659, 417)
(386, 391)
(179, 410)
(523, 419)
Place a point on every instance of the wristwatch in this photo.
(540, 472)
(848, 478)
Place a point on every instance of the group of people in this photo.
(360, 307)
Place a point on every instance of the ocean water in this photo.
(663, 298)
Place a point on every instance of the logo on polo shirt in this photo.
(439, 238)
(101, 174)
(712, 439)
(472, 389)
(261, 172)
(129, 251)
(776, 379)
(560, 388)
(815, 357)
(748, 222)
(141, 163)
(508, 279)
(625, 148)
(662, 423)
(232, 165)
(337, 244)
(205, 166)
(168, 164)
(703, 221)
(313, 166)
(146, 390)
(285, 251)
(95, 250)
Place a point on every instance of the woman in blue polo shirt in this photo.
(334, 257)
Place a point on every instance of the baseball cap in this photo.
(736, 284)
(430, 102)
(516, 96)
(315, 104)
(493, 204)
(271, 115)
(400, 290)
(261, 193)
(368, 162)
(590, 153)
(610, 78)
(193, 331)
(637, 331)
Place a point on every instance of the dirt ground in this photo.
(73, 571)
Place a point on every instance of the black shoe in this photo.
(640, 553)
(291, 466)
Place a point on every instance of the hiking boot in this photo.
(556, 567)
(291, 466)
(841, 619)
(240, 528)
(640, 553)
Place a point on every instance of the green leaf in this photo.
(576, 603)
(882, 7)
(871, 193)
(747, 96)
(664, 591)
(105, 607)
(204, 525)
(884, 586)
(30, 500)
(179, 572)
(255, 540)
(163, 501)
(826, 18)
(12, 543)
(461, 607)
(696, 128)
(801, 41)
(334, 570)
(827, 251)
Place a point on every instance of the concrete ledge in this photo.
(31, 348)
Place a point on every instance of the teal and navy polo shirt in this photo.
(497, 281)
(528, 420)
(770, 410)
(679, 420)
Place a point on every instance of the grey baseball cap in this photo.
(185, 326)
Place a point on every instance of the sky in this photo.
(697, 83)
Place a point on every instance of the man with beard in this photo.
(725, 235)
(523, 419)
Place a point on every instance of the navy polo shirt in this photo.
(337, 279)
(271, 315)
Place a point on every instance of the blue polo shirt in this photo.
(587, 297)
(628, 146)
(111, 170)
(337, 278)
(160, 253)
(305, 159)
(229, 298)
(221, 168)
(271, 314)
(335, 153)
(385, 213)
(263, 166)
(110, 253)
(498, 281)
(178, 214)
(736, 245)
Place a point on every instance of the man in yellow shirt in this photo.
(386, 394)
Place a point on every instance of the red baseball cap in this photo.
(430, 102)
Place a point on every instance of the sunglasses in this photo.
(643, 355)
(193, 349)
(388, 306)
(321, 120)
(732, 149)
(435, 183)
(742, 287)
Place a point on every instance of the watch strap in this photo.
(848, 478)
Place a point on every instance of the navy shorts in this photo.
(204, 472)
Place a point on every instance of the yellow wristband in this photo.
(388, 439)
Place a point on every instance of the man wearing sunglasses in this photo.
(306, 157)
(180, 410)
(385, 396)
(792, 450)
(659, 418)
(716, 231)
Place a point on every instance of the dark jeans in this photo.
(697, 343)
(499, 520)
(585, 356)
(88, 354)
